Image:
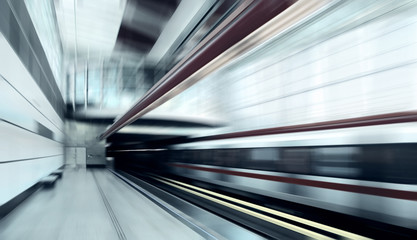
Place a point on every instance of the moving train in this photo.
(367, 171)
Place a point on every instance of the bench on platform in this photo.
(49, 181)
(58, 173)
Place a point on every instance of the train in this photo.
(368, 172)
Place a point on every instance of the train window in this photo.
(336, 161)
(396, 163)
(263, 158)
(404, 168)
(196, 156)
(374, 160)
(206, 156)
(176, 156)
(264, 154)
(231, 158)
(217, 157)
(390, 163)
(188, 156)
(295, 160)
(244, 157)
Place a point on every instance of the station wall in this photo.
(31, 130)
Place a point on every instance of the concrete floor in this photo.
(91, 204)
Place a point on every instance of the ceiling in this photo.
(89, 28)
(142, 23)
(149, 29)
(115, 50)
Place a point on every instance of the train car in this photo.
(368, 171)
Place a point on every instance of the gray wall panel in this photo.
(31, 106)
(18, 29)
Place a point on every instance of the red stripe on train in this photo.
(392, 193)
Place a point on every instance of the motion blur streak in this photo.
(255, 214)
(228, 45)
(274, 212)
(393, 193)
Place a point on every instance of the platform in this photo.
(91, 204)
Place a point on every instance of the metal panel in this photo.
(22, 36)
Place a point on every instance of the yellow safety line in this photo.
(252, 213)
(337, 231)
